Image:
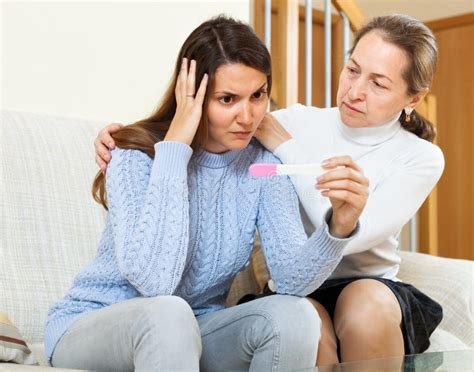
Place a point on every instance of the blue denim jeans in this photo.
(274, 333)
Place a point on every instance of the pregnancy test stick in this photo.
(269, 170)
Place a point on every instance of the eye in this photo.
(226, 100)
(378, 85)
(260, 94)
(352, 70)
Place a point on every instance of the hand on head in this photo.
(188, 114)
(184, 124)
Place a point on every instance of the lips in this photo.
(242, 135)
(351, 108)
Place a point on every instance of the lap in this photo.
(104, 338)
(420, 315)
(231, 336)
(271, 308)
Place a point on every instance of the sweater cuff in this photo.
(330, 246)
(172, 158)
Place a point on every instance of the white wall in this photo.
(98, 60)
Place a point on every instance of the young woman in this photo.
(182, 215)
(364, 308)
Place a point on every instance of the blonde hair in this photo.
(419, 45)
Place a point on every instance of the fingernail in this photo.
(320, 179)
(325, 163)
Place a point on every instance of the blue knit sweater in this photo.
(184, 225)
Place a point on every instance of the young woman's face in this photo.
(237, 104)
(371, 87)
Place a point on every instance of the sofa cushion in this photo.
(449, 282)
(50, 225)
(13, 347)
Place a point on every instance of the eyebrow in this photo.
(233, 94)
(373, 73)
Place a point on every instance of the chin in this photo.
(238, 145)
(351, 122)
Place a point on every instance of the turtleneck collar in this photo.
(371, 136)
(212, 160)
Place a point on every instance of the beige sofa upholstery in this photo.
(50, 229)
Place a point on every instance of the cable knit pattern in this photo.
(184, 225)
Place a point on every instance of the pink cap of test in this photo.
(263, 170)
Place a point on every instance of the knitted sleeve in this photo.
(297, 265)
(148, 211)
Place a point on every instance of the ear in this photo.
(417, 99)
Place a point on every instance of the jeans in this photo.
(274, 333)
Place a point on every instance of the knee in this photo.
(327, 328)
(294, 321)
(168, 310)
(369, 314)
(167, 318)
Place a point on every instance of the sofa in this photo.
(50, 228)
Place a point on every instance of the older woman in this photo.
(363, 306)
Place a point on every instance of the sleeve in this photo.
(297, 265)
(390, 205)
(397, 198)
(286, 116)
(149, 215)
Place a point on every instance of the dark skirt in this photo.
(420, 314)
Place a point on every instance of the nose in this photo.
(357, 90)
(244, 116)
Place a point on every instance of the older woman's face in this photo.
(371, 88)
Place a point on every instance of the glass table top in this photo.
(455, 361)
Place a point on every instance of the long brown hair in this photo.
(216, 42)
(419, 45)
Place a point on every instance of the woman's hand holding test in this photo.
(344, 183)
(348, 189)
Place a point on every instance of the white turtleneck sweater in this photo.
(402, 170)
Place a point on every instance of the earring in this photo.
(408, 112)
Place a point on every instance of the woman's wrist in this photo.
(281, 139)
(175, 137)
(271, 134)
(341, 230)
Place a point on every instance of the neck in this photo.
(216, 160)
(372, 135)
